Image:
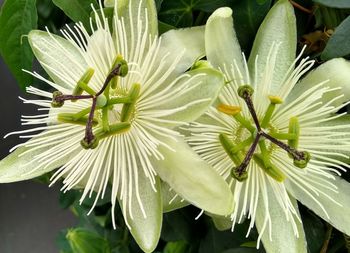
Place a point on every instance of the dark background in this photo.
(30, 216)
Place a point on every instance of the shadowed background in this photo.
(30, 216)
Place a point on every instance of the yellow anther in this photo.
(275, 100)
(229, 109)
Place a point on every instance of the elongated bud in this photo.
(245, 91)
(271, 170)
(229, 109)
(56, 102)
(85, 241)
(302, 163)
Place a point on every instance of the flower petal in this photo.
(282, 232)
(62, 61)
(146, 230)
(18, 165)
(171, 200)
(193, 179)
(337, 71)
(279, 26)
(338, 216)
(191, 96)
(221, 43)
(189, 42)
(138, 15)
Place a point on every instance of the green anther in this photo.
(239, 176)
(240, 119)
(283, 136)
(275, 100)
(119, 100)
(245, 90)
(56, 103)
(129, 108)
(114, 129)
(294, 128)
(229, 146)
(105, 119)
(73, 119)
(101, 101)
(302, 163)
(89, 145)
(82, 84)
(271, 170)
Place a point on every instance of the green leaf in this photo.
(17, 18)
(77, 10)
(180, 13)
(177, 227)
(340, 37)
(176, 247)
(248, 16)
(334, 3)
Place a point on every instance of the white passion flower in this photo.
(120, 93)
(275, 139)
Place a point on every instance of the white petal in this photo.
(282, 238)
(339, 216)
(58, 54)
(146, 230)
(279, 26)
(337, 72)
(221, 43)
(193, 179)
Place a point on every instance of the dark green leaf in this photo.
(240, 250)
(176, 247)
(67, 199)
(163, 27)
(175, 227)
(17, 19)
(247, 16)
(334, 3)
(77, 10)
(339, 44)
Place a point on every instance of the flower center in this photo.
(260, 132)
(103, 101)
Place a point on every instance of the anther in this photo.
(129, 108)
(269, 168)
(229, 109)
(56, 101)
(276, 100)
(302, 162)
(82, 84)
(294, 128)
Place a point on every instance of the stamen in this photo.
(82, 84)
(128, 108)
(272, 106)
(229, 109)
(294, 129)
(229, 147)
(270, 169)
